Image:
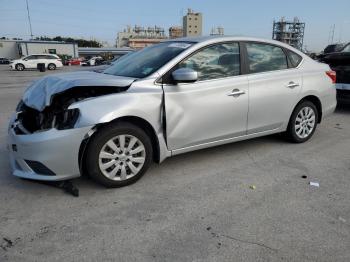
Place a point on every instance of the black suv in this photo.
(4, 60)
(339, 61)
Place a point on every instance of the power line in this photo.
(30, 23)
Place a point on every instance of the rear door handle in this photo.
(292, 84)
(236, 92)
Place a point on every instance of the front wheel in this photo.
(19, 67)
(303, 122)
(118, 155)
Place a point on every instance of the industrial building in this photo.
(217, 31)
(192, 24)
(13, 49)
(289, 32)
(139, 37)
(175, 32)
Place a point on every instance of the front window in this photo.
(145, 62)
(31, 57)
(216, 61)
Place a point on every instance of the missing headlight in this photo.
(66, 119)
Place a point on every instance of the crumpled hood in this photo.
(39, 94)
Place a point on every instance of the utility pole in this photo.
(331, 35)
(30, 23)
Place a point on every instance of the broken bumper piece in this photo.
(50, 155)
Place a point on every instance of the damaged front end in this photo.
(57, 115)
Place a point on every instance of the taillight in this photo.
(332, 75)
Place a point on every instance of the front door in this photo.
(213, 108)
(31, 61)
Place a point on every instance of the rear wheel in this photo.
(118, 155)
(51, 66)
(19, 67)
(303, 122)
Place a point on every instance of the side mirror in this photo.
(25, 59)
(185, 75)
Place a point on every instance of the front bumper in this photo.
(57, 150)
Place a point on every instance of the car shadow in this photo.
(84, 184)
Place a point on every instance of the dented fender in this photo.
(141, 102)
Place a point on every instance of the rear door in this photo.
(273, 87)
(42, 59)
(207, 111)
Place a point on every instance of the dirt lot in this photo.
(194, 207)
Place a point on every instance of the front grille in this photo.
(39, 168)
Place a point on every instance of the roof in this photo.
(216, 38)
(203, 40)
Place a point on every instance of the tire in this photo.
(303, 122)
(51, 66)
(110, 163)
(19, 67)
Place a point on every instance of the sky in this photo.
(102, 19)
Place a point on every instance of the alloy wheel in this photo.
(305, 122)
(20, 67)
(122, 157)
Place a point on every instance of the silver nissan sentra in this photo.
(174, 97)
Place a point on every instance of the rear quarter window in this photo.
(294, 58)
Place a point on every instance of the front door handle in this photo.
(292, 85)
(236, 93)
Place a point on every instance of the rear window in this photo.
(265, 57)
(294, 58)
(50, 57)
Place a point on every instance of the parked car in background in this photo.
(333, 48)
(94, 61)
(31, 61)
(74, 61)
(340, 62)
(170, 98)
(4, 60)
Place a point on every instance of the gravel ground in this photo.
(193, 207)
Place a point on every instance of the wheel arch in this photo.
(316, 101)
(135, 120)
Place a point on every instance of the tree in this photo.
(80, 42)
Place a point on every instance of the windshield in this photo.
(143, 63)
